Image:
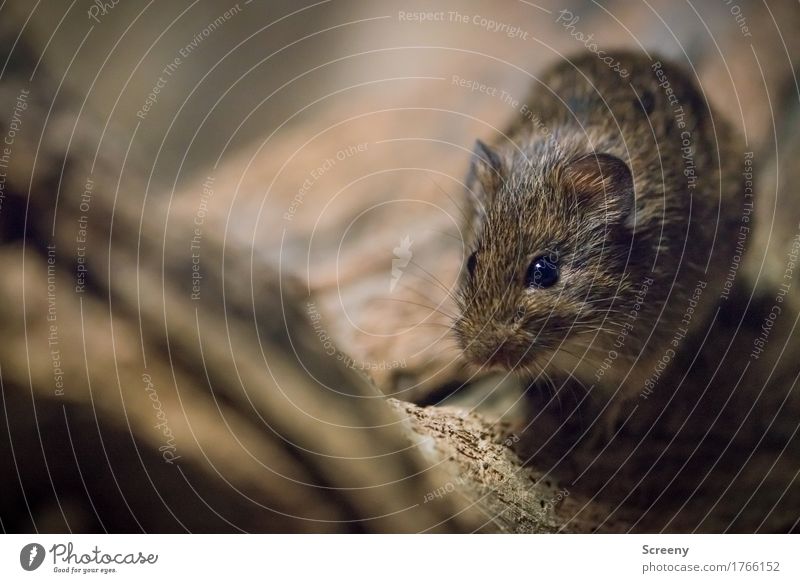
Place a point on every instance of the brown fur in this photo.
(562, 184)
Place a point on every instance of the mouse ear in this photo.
(485, 173)
(604, 181)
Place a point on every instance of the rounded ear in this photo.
(605, 182)
(485, 172)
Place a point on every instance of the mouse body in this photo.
(601, 227)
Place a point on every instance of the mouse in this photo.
(601, 225)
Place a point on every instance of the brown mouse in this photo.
(603, 223)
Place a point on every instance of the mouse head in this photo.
(550, 239)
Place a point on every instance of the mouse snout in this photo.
(496, 343)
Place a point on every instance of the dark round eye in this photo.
(472, 262)
(542, 272)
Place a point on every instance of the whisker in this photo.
(445, 234)
(465, 217)
(418, 292)
(436, 280)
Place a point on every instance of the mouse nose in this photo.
(501, 358)
(506, 356)
(495, 345)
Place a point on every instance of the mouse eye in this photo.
(472, 262)
(542, 272)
